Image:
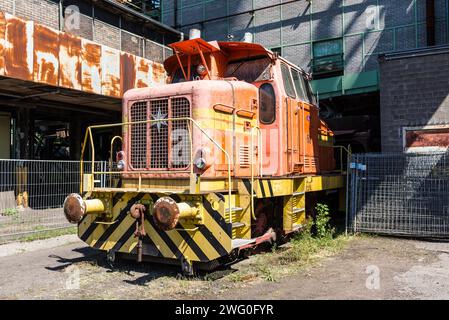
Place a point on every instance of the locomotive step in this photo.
(234, 209)
(237, 243)
(296, 210)
(236, 225)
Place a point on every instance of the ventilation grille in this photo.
(244, 158)
(161, 144)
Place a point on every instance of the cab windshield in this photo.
(178, 76)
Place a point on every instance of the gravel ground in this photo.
(368, 268)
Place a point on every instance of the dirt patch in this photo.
(406, 269)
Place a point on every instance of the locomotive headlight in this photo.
(201, 70)
(202, 159)
(121, 164)
(120, 158)
(200, 163)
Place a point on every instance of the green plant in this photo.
(10, 212)
(323, 229)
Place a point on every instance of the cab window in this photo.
(267, 101)
(287, 79)
(300, 86)
(178, 75)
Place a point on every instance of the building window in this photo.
(277, 50)
(328, 58)
(287, 79)
(267, 101)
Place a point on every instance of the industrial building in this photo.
(339, 42)
(64, 65)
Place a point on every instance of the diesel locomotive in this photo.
(210, 165)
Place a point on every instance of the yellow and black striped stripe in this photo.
(207, 242)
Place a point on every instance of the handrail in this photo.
(252, 165)
(121, 124)
(348, 152)
(112, 145)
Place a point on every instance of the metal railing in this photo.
(31, 196)
(105, 176)
(400, 194)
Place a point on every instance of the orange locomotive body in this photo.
(213, 163)
(246, 82)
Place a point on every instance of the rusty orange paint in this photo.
(91, 66)
(2, 36)
(69, 61)
(33, 52)
(427, 138)
(158, 73)
(17, 52)
(46, 55)
(143, 77)
(110, 72)
(127, 72)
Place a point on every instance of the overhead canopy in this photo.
(232, 50)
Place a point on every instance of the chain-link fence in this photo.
(400, 194)
(32, 193)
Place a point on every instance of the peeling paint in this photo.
(70, 61)
(33, 52)
(91, 66)
(110, 67)
(46, 55)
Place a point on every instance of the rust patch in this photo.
(69, 61)
(18, 58)
(110, 72)
(127, 72)
(91, 67)
(143, 76)
(428, 138)
(2, 38)
(158, 73)
(46, 55)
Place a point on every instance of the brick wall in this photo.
(107, 34)
(41, 11)
(414, 92)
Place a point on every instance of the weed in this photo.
(10, 212)
(323, 229)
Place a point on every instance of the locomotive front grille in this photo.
(160, 144)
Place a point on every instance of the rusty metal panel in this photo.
(46, 55)
(158, 74)
(127, 71)
(2, 41)
(91, 66)
(110, 72)
(34, 52)
(143, 73)
(69, 61)
(427, 138)
(18, 48)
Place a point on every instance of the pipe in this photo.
(144, 17)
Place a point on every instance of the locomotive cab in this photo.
(213, 163)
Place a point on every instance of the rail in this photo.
(89, 138)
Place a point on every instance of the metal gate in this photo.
(399, 194)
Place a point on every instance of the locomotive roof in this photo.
(232, 50)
